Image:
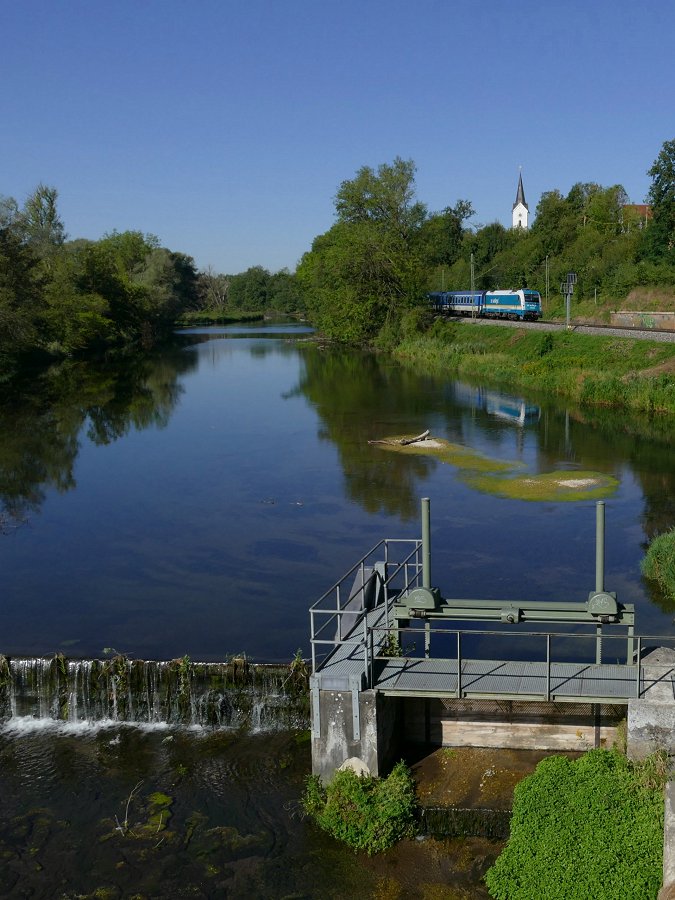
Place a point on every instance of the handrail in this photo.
(331, 607)
(370, 649)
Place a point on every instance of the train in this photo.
(522, 304)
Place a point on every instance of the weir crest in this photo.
(232, 694)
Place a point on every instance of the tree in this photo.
(660, 233)
(249, 290)
(366, 271)
(440, 236)
(41, 224)
(386, 198)
(20, 295)
(213, 289)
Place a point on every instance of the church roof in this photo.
(520, 195)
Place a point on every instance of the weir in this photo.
(232, 694)
(394, 661)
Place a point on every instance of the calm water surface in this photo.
(198, 502)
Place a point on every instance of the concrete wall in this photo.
(657, 320)
(379, 725)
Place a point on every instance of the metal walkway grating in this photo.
(513, 680)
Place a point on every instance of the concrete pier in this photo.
(651, 717)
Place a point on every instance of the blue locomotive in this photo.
(522, 304)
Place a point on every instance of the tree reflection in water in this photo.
(41, 423)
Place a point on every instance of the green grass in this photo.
(659, 563)
(213, 317)
(589, 369)
(585, 828)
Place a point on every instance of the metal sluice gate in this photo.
(384, 627)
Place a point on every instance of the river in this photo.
(195, 503)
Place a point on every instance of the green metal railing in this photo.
(388, 637)
(394, 565)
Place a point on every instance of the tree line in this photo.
(64, 298)
(365, 279)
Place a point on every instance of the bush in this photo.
(659, 563)
(366, 813)
(591, 827)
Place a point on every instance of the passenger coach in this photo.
(522, 304)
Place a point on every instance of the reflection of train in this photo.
(511, 409)
(522, 304)
(502, 406)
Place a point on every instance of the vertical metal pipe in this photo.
(426, 543)
(600, 546)
(548, 667)
(638, 668)
(459, 665)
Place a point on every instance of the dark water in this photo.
(164, 813)
(196, 503)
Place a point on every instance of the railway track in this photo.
(643, 334)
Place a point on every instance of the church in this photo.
(520, 210)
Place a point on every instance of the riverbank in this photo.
(589, 370)
(214, 317)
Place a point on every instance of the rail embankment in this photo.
(589, 370)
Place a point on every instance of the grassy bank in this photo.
(659, 563)
(212, 317)
(587, 369)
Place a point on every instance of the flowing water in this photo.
(192, 505)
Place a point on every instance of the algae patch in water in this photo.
(453, 454)
(560, 486)
(495, 476)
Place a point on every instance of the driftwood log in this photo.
(403, 442)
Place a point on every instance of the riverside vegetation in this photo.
(659, 563)
(589, 827)
(360, 282)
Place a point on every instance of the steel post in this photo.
(426, 543)
(600, 546)
(459, 665)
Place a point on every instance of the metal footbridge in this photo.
(382, 627)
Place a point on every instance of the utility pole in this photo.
(473, 285)
(547, 281)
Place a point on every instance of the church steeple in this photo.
(520, 209)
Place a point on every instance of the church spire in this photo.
(520, 210)
(520, 194)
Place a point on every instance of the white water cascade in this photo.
(233, 694)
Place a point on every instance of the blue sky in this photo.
(225, 128)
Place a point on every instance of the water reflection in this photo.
(262, 488)
(515, 410)
(360, 398)
(41, 425)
